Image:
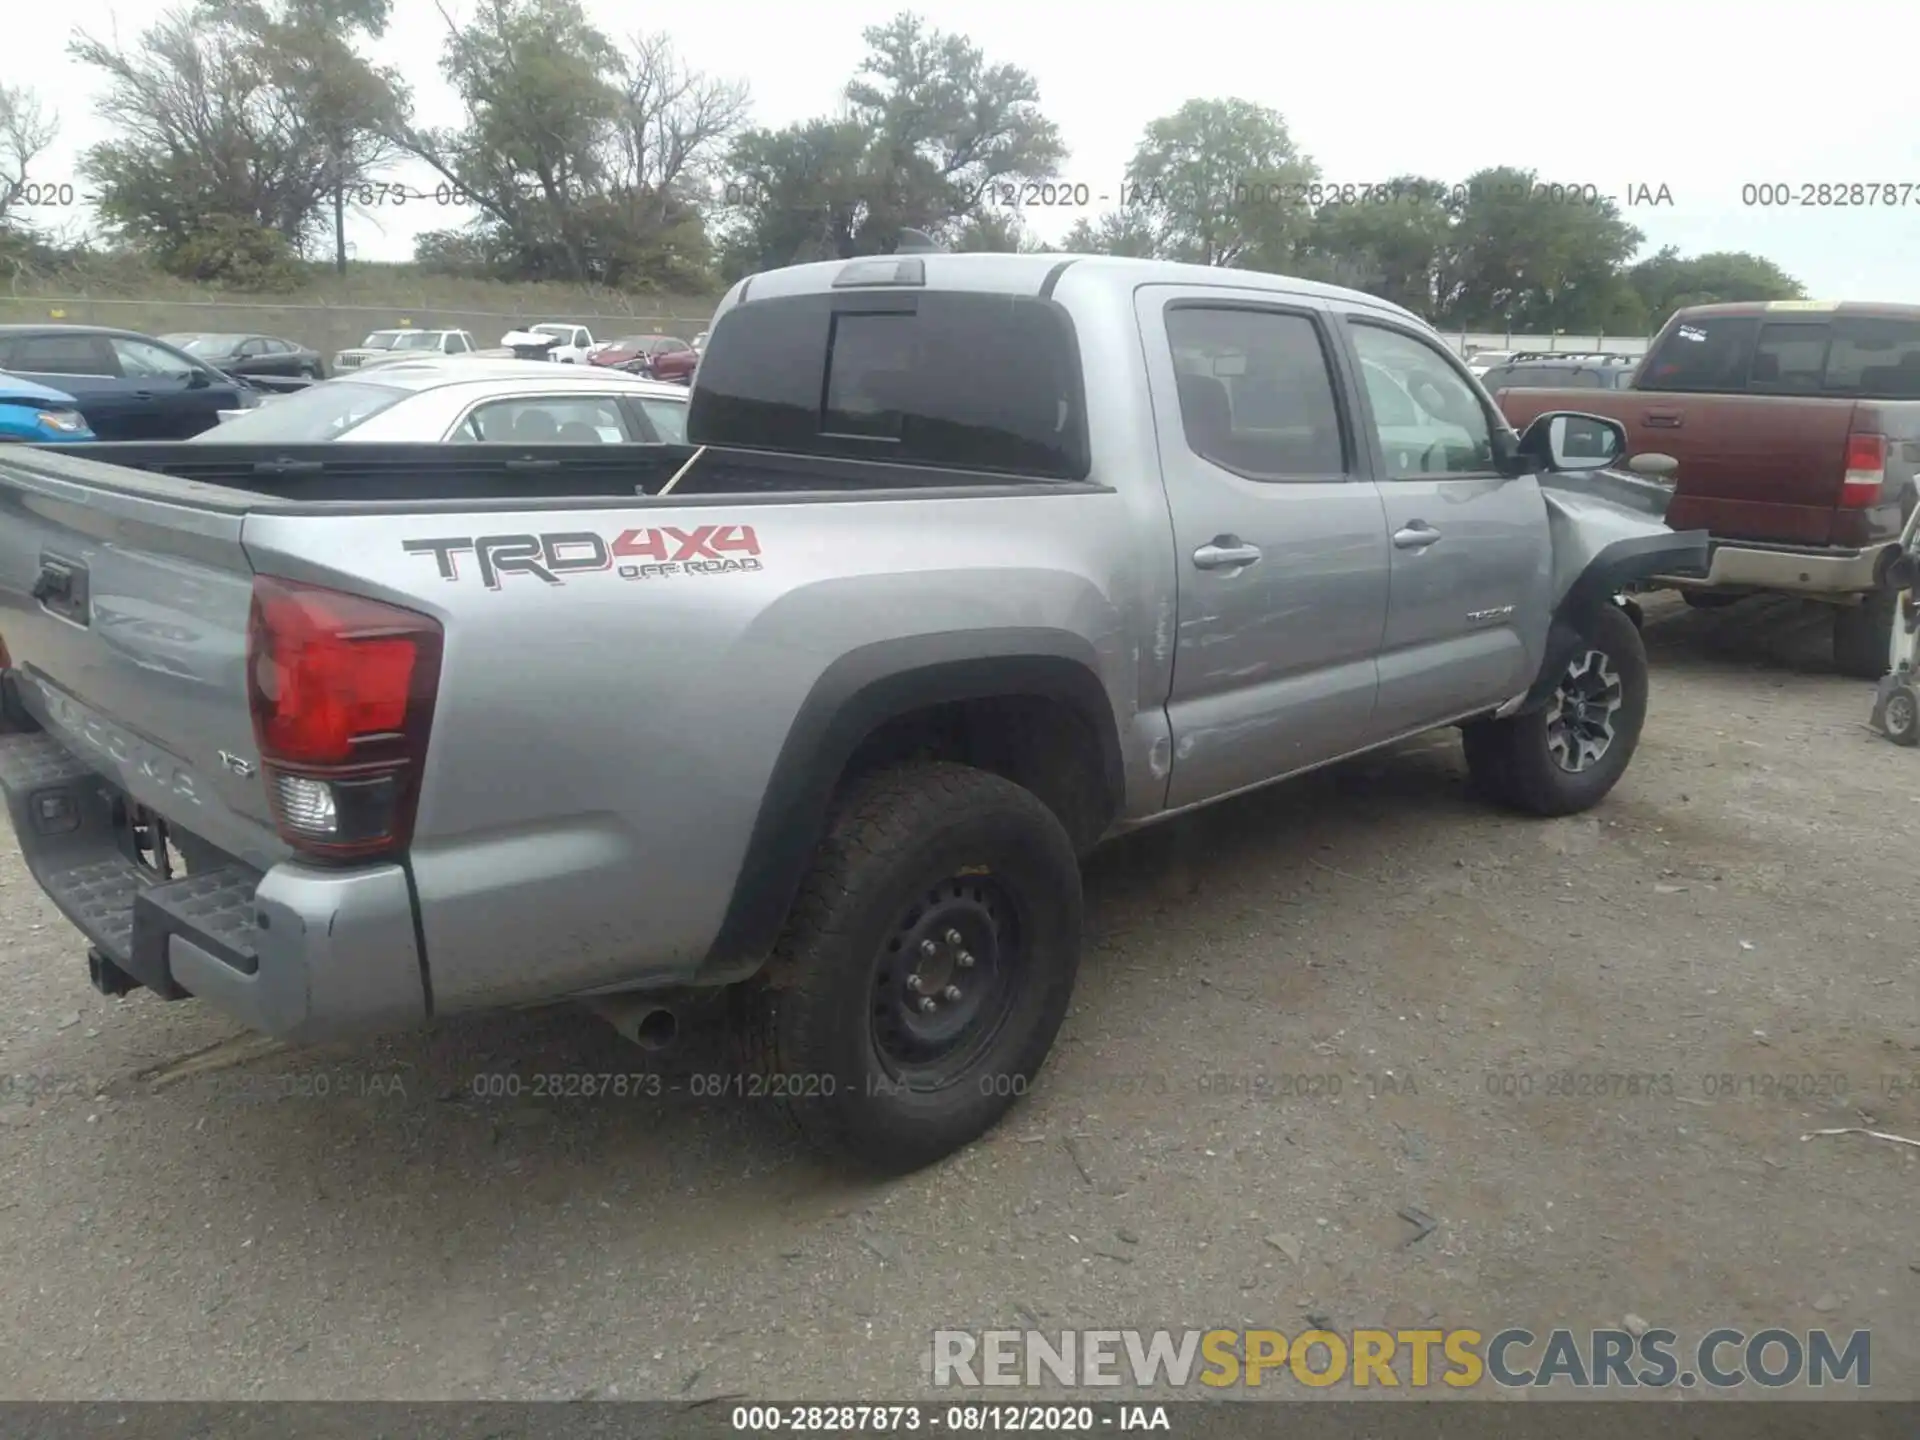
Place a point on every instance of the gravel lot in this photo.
(1732, 918)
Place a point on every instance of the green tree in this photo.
(1125, 232)
(1396, 243)
(584, 158)
(238, 116)
(1666, 281)
(1525, 259)
(1221, 182)
(931, 127)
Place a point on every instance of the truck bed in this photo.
(427, 476)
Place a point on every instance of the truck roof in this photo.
(1875, 309)
(1003, 273)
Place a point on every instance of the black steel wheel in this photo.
(926, 965)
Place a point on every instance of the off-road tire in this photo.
(1510, 761)
(808, 1017)
(1862, 634)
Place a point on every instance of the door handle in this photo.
(1415, 536)
(1225, 552)
(1663, 419)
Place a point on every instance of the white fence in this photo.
(1631, 345)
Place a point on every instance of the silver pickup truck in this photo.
(971, 562)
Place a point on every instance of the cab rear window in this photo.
(954, 380)
(1866, 357)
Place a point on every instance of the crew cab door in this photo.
(1471, 580)
(1280, 543)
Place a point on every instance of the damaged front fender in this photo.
(1608, 530)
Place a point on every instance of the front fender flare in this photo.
(1616, 566)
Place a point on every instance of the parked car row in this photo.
(127, 386)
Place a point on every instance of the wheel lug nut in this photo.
(929, 949)
(953, 937)
(952, 992)
(964, 960)
(928, 1004)
(914, 982)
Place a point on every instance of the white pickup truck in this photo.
(576, 341)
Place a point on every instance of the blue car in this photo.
(39, 414)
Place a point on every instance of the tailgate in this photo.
(124, 605)
(1760, 467)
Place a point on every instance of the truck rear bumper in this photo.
(298, 952)
(1796, 569)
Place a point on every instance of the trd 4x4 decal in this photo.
(647, 554)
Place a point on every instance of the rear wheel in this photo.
(926, 967)
(1566, 756)
(1862, 635)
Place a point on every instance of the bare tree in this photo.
(673, 125)
(26, 132)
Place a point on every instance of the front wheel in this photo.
(926, 966)
(1564, 757)
(1900, 712)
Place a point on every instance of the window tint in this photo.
(62, 355)
(956, 380)
(1708, 354)
(1789, 359)
(141, 359)
(1256, 392)
(1875, 358)
(1449, 433)
(549, 420)
(669, 417)
(1391, 404)
(319, 412)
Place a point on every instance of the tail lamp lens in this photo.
(342, 692)
(1866, 470)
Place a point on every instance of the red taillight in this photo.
(1866, 470)
(342, 691)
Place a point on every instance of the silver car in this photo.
(516, 402)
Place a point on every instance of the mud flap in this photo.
(1608, 531)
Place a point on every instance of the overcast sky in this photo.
(1699, 97)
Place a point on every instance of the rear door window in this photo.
(62, 355)
(668, 417)
(554, 420)
(1709, 354)
(1256, 392)
(953, 380)
(1874, 359)
(1789, 359)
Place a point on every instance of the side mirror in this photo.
(1654, 465)
(1903, 573)
(1567, 440)
(198, 380)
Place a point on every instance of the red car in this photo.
(660, 356)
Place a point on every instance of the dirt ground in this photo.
(1732, 919)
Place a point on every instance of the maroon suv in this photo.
(660, 356)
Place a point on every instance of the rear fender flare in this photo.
(1605, 578)
(853, 698)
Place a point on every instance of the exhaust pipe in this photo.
(641, 1018)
